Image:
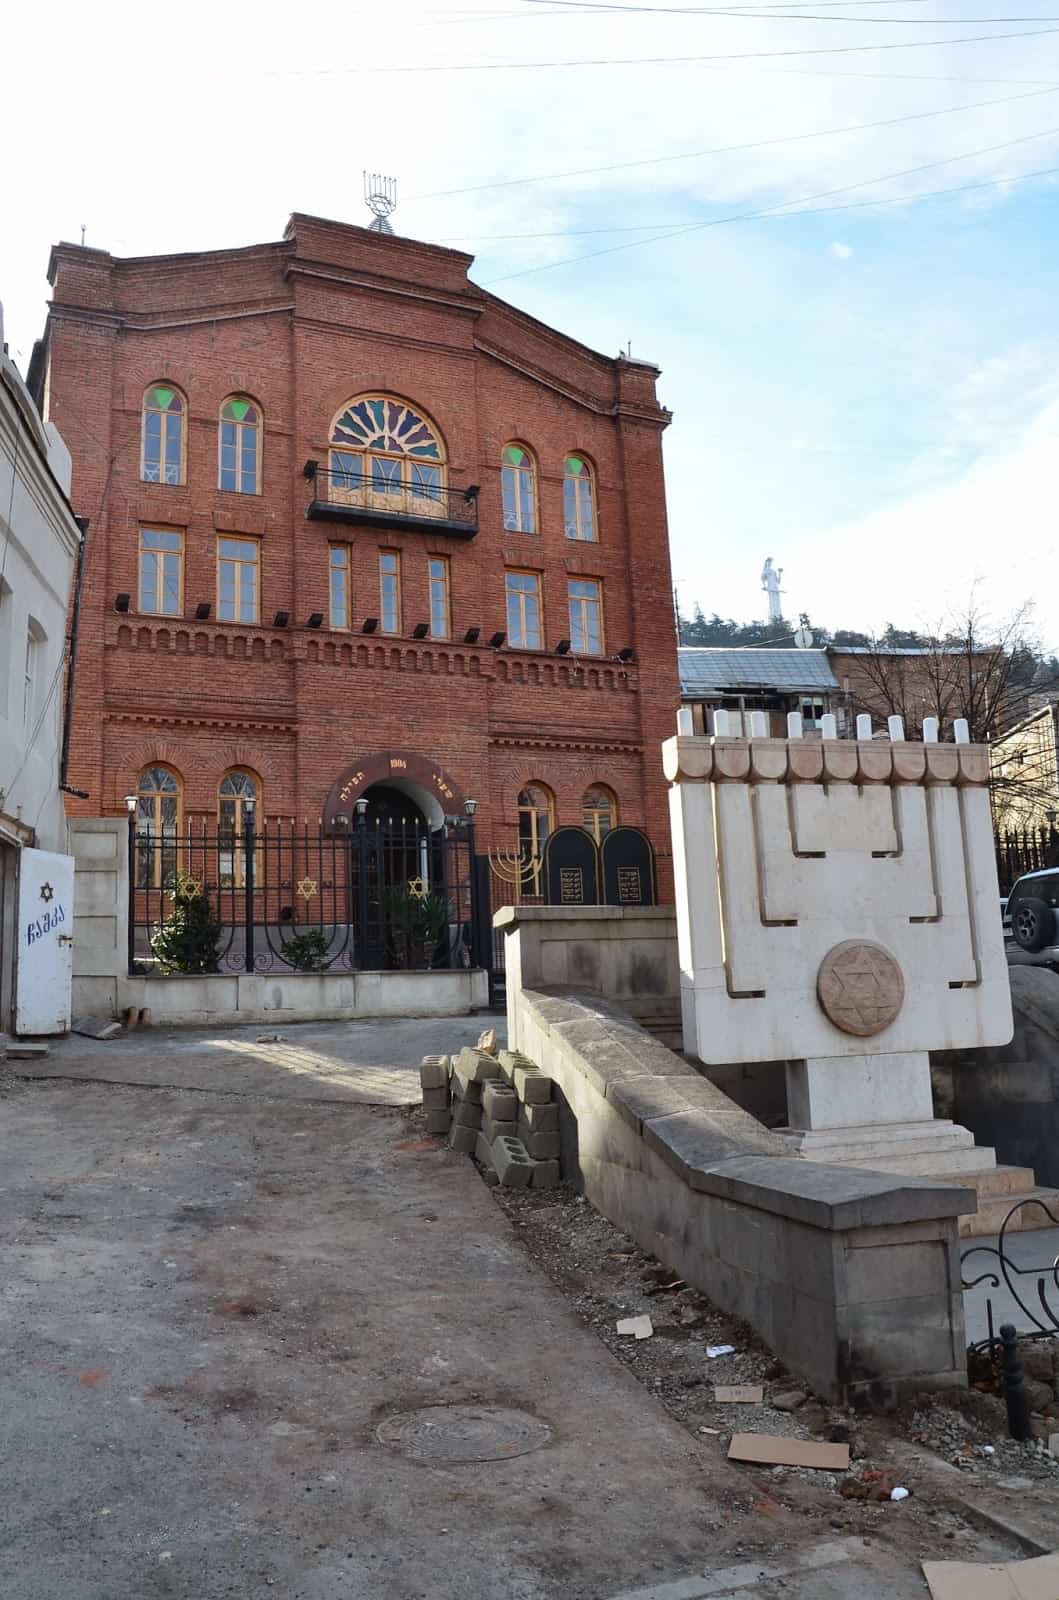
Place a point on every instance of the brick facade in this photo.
(302, 326)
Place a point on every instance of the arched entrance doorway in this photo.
(397, 772)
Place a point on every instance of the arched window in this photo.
(157, 828)
(238, 804)
(518, 481)
(599, 811)
(579, 511)
(387, 457)
(239, 446)
(163, 435)
(536, 819)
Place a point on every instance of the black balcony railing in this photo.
(350, 495)
(288, 899)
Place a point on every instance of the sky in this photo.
(864, 380)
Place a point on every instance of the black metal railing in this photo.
(1026, 1289)
(378, 895)
(348, 494)
(1025, 850)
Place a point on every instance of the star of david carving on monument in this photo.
(860, 987)
(306, 888)
(46, 892)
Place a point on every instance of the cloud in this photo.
(841, 252)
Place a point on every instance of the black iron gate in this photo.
(388, 894)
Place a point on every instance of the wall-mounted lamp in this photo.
(281, 619)
(202, 611)
(130, 803)
(470, 807)
(314, 619)
(121, 602)
(420, 630)
(563, 647)
(625, 655)
(497, 639)
(310, 470)
(361, 808)
(370, 624)
(471, 636)
(472, 491)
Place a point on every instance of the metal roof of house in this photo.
(716, 670)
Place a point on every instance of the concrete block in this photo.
(513, 1165)
(465, 1114)
(541, 1146)
(434, 1072)
(540, 1119)
(532, 1086)
(478, 1065)
(464, 1087)
(495, 1129)
(483, 1150)
(510, 1059)
(438, 1121)
(499, 1100)
(463, 1140)
(545, 1175)
(436, 1099)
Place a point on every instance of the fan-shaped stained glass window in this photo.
(239, 446)
(579, 512)
(387, 456)
(163, 435)
(519, 490)
(158, 795)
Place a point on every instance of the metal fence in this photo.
(1025, 850)
(203, 898)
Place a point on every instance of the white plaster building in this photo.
(39, 543)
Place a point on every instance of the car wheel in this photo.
(1033, 924)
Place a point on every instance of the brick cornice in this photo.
(166, 719)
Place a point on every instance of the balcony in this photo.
(349, 495)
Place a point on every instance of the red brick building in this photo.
(358, 528)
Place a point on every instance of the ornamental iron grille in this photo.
(370, 895)
(1029, 1294)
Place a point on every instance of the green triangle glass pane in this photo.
(575, 466)
(514, 456)
(238, 409)
(162, 398)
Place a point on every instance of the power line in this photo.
(651, 61)
(779, 206)
(728, 149)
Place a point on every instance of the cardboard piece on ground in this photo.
(1013, 1580)
(772, 1451)
(739, 1393)
(639, 1327)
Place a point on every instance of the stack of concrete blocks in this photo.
(434, 1074)
(504, 1115)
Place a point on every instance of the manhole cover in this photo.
(464, 1433)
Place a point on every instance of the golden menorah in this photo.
(511, 866)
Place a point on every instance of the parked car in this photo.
(1031, 918)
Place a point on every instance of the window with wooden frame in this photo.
(239, 446)
(536, 820)
(523, 594)
(518, 480)
(585, 600)
(162, 450)
(338, 577)
(161, 572)
(238, 806)
(440, 599)
(599, 811)
(237, 579)
(388, 457)
(579, 506)
(390, 591)
(158, 804)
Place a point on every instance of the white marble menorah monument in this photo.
(838, 909)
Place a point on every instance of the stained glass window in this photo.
(238, 805)
(163, 435)
(517, 483)
(536, 819)
(239, 445)
(157, 827)
(599, 811)
(579, 512)
(384, 454)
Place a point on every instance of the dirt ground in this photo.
(239, 1323)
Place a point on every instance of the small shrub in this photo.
(306, 952)
(188, 938)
